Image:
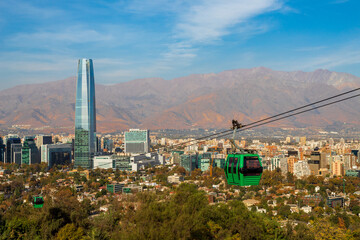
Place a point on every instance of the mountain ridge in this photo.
(199, 100)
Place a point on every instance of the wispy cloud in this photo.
(40, 67)
(212, 19)
(73, 34)
(310, 48)
(200, 23)
(339, 1)
(311, 58)
(343, 57)
(156, 6)
(26, 9)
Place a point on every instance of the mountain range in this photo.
(195, 101)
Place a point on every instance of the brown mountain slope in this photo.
(201, 100)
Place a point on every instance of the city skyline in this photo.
(168, 39)
(216, 119)
(85, 115)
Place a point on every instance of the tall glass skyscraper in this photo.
(85, 115)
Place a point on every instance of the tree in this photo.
(322, 229)
(356, 210)
(266, 179)
(195, 174)
(303, 232)
(284, 211)
(70, 232)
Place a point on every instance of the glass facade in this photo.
(25, 153)
(85, 115)
(2, 150)
(137, 141)
(29, 152)
(8, 153)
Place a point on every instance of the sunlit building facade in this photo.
(137, 141)
(85, 115)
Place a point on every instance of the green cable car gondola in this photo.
(38, 201)
(242, 168)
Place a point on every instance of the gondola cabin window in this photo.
(252, 164)
(231, 160)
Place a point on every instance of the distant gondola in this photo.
(242, 168)
(38, 201)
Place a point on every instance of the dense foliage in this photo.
(175, 212)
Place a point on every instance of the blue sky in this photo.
(41, 41)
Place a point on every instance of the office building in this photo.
(56, 154)
(205, 164)
(108, 145)
(115, 188)
(2, 150)
(15, 150)
(25, 154)
(352, 173)
(145, 160)
(8, 151)
(104, 162)
(275, 162)
(113, 161)
(189, 162)
(122, 163)
(137, 141)
(219, 162)
(85, 115)
(29, 152)
(132, 188)
(314, 162)
(43, 140)
(175, 157)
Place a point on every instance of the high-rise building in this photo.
(9, 154)
(189, 162)
(25, 153)
(301, 169)
(29, 152)
(137, 141)
(85, 115)
(290, 163)
(15, 150)
(314, 162)
(56, 154)
(43, 140)
(2, 150)
(108, 145)
(338, 168)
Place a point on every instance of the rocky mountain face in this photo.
(199, 100)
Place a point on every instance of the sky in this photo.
(41, 41)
